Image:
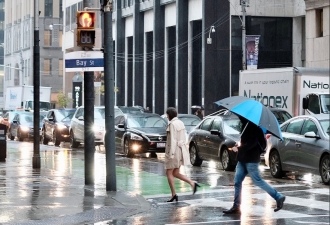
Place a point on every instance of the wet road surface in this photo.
(307, 198)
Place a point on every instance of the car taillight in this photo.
(268, 136)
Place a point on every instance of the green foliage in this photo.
(63, 100)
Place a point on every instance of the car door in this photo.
(309, 149)
(204, 135)
(287, 147)
(47, 123)
(119, 132)
(215, 140)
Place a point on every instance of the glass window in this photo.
(325, 124)
(99, 113)
(80, 6)
(64, 115)
(145, 121)
(74, 14)
(26, 118)
(283, 128)
(325, 103)
(79, 113)
(314, 104)
(67, 17)
(282, 116)
(61, 10)
(60, 67)
(232, 126)
(309, 126)
(47, 66)
(47, 38)
(60, 38)
(216, 125)
(48, 8)
(294, 126)
(190, 121)
(118, 119)
(206, 124)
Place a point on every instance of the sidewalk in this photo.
(56, 194)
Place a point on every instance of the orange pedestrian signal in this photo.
(86, 28)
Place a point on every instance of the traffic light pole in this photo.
(36, 89)
(109, 81)
(89, 143)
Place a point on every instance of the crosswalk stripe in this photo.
(323, 191)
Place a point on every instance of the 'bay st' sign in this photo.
(84, 61)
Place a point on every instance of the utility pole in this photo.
(109, 85)
(243, 4)
(89, 143)
(36, 89)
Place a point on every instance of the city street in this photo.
(56, 193)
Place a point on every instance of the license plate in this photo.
(161, 145)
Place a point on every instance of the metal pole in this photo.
(109, 85)
(36, 89)
(243, 3)
(89, 120)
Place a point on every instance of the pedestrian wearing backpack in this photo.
(248, 156)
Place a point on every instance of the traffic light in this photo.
(86, 28)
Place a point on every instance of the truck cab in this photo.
(28, 105)
(317, 103)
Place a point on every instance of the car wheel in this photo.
(325, 169)
(127, 152)
(19, 136)
(73, 142)
(44, 139)
(153, 155)
(11, 137)
(226, 163)
(195, 160)
(56, 140)
(275, 165)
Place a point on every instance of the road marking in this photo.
(322, 191)
(310, 222)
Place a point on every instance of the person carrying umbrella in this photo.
(255, 120)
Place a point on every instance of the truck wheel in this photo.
(325, 169)
(195, 160)
(44, 139)
(226, 163)
(73, 142)
(275, 165)
(56, 139)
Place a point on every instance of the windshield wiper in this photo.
(66, 117)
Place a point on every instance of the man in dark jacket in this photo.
(248, 158)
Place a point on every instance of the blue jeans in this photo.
(242, 169)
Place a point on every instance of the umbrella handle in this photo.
(244, 129)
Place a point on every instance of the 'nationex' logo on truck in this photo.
(318, 85)
(278, 101)
(12, 96)
(33, 92)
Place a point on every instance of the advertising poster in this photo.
(252, 51)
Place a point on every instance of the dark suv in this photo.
(280, 114)
(56, 126)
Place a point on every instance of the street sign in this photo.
(84, 61)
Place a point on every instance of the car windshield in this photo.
(190, 121)
(232, 126)
(99, 113)
(64, 115)
(144, 122)
(131, 110)
(325, 103)
(26, 118)
(325, 124)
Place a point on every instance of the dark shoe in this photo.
(279, 204)
(172, 199)
(195, 187)
(232, 210)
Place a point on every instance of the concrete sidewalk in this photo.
(56, 194)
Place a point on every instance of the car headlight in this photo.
(98, 128)
(61, 126)
(136, 137)
(24, 128)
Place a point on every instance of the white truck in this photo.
(22, 98)
(297, 90)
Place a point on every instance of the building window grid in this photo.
(47, 67)
(60, 67)
(48, 8)
(47, 38)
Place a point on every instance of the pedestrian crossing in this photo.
(301, 202)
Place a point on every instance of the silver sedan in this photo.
(305, 147)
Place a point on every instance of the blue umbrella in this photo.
(254, 112)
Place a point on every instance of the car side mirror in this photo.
(305, 103)
(51, 118)
(311, 134)
(121, 126)
(215, 132)
(81, 118)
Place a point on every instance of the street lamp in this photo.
(51, 26)
(209, 39)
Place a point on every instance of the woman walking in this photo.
(176, 153)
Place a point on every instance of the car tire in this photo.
(153, 155)
(275, 165)
(56, 140)
(19, 136)
(225, 160)
(44, 139)
(325, 169)
(73, 142)
(195, 160)
(9, 135)
(127, 152)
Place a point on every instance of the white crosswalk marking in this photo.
(323, 191)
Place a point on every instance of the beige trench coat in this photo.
(176, 152)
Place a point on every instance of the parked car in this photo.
(8, 118)
(77, 127)
(280, 114)
(213, 139)
(56, 125)
(140, 133)
(305, 147)
(131, 110)
(22, 126)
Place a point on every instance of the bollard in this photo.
(3, 142)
